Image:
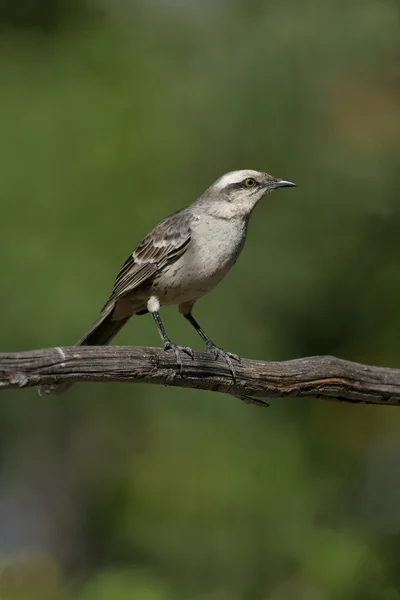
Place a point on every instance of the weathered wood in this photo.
(324, 377)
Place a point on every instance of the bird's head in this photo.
(236, 193)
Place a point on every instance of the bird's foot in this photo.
(177, 351)
(227, 356)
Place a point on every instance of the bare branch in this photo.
(320, 376)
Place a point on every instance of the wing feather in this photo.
(163, 246)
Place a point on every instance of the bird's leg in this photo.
(168, 345)
(211, 347)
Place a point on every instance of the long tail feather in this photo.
(103, 331)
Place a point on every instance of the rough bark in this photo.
(324, 377)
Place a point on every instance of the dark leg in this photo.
(212, 347)
(168, 345)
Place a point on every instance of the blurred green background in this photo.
(114, 114)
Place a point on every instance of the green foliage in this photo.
(39, 15)
(109, 125)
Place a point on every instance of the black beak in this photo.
(282, 183)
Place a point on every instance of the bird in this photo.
(184, 257)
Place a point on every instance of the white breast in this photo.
(212, 251)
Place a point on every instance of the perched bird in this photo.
(183, 258)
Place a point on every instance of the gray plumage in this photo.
(182, 258)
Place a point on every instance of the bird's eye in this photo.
(249, 182)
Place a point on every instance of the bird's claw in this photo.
(227, 356)
(177, 351)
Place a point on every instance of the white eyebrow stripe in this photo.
(235, 177)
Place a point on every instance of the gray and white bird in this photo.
(181, 259)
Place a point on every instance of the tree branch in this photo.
(324, 377)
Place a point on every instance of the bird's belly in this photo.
(197, 272)
(180, 284)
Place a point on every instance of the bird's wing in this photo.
(163, 246)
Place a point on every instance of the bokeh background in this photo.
(114, 114)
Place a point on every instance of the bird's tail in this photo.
(100, 334)
(103, 330)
